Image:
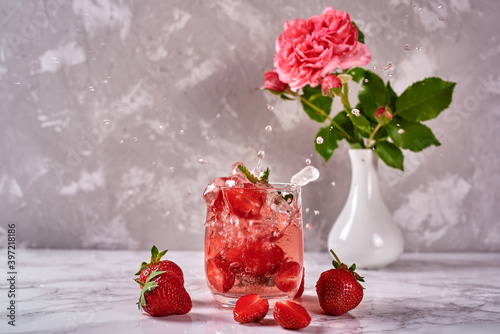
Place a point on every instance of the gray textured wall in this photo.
(109, 105)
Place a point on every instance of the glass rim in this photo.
(278, 186)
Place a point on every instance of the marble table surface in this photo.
(91, 291)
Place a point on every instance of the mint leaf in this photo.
(373, 94)
(410, 135)
(357, 73)
(247, 173)
(361, 36)
(330, 138)
(265, 176)
(425, 99)
(390, 154)
(315, 97)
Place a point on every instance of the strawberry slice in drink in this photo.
(219, 275)
(245, 202)
(261, 258)
(287, 276)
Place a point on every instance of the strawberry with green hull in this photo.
(338, 289)
(162, 284)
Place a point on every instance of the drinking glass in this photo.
(254, 243)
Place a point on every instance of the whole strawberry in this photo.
(156, 263)
(162, 285)
(338, 289)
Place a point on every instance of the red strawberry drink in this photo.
(253, 237)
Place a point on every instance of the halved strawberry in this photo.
(291, 315)
(250, 308)
(219, 275)
(287, 276)
(301, 287)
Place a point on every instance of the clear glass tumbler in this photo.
(254, 242)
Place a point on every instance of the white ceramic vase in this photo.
(364, 232)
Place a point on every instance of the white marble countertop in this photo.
(82, 291)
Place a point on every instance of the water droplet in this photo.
(181, 132)
(106, 122)
(121, 141)
(401, 131)
(91, 88)
(316, 212)
(407, 46)
(308, 226)
(355, 112)
(387, 66)
(420, 9)
(440, 6)
(307, 210)
(366, 80)
(333, 183)
(171, 169)
(261, 154)
(391, 74)
(375, 67)
(262, 87)
(308, 161)
(17, 83)
(202, 161)
(319, 140)
(217, 116)
(135, 139)
(270, 107)
(161, 127)
(350, 90)
(418, 47)
(269, 128)
(441, 18)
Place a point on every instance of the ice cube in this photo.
(306, 175)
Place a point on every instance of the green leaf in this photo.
(392, 95)
(361, 36)
(154, 251)
(373, 93)
(247, 173)
(361, 123)
(357, 73)
(329, 144)
(343, 120)
(390, 154)
(335, 264)
(425, 99)
(314, 96)
(410, 135)
(265, 176)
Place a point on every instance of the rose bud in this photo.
(331, 82)
(383, 115)
(273, 82)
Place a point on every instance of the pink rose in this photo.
(273, 82)
(329, 82)
(310, 49)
